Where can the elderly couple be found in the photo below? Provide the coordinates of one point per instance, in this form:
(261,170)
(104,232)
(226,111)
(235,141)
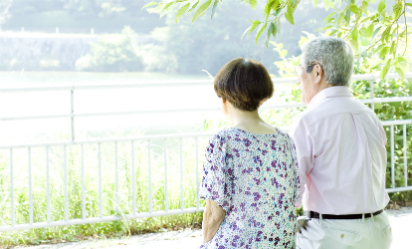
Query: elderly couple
(333,163)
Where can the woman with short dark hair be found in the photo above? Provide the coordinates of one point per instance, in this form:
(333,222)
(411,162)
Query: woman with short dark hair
(250,181)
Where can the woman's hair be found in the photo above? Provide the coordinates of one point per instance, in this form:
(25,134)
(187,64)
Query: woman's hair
(245,83)
(334,55)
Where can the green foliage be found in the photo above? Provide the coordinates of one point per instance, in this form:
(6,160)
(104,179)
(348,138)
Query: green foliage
(109,54)
(384,31)
(190,48)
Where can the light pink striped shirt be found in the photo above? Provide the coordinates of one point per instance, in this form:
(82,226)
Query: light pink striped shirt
(341,153)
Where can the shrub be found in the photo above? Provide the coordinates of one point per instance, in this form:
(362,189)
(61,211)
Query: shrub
(113,53)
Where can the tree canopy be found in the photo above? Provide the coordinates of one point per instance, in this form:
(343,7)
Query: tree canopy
(371,28)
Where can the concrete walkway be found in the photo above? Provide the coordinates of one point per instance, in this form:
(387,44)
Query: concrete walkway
(401,221)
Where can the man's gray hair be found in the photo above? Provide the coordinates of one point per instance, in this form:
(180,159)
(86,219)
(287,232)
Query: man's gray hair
(333,54)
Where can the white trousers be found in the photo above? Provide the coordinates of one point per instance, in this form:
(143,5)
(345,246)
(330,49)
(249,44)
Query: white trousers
(373,233)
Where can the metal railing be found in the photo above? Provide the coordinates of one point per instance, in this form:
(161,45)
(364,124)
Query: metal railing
(48,222)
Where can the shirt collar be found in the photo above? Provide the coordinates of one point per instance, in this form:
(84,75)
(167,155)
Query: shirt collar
(330,92)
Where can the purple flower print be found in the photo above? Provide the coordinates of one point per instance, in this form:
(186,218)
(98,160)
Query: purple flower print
(257,196)
(247,142)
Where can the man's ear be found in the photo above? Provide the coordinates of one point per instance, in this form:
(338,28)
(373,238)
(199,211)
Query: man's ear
(317,73)
(224,101)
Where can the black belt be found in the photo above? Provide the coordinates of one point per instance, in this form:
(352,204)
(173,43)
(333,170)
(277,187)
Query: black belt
(316,215)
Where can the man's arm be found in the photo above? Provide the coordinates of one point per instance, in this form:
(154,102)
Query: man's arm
(304,148)
(213,216)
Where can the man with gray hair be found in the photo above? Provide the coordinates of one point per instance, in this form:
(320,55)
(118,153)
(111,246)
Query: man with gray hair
(341,154)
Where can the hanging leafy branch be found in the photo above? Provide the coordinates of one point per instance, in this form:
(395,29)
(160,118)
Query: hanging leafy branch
(383,30)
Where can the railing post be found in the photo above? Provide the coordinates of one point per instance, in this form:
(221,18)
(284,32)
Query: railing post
(72,113)
(197,173)
(392,158)
(405,165)
(12,189)
(150,175)
(372,95)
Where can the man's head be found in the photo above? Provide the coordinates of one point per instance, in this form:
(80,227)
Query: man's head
(326,62)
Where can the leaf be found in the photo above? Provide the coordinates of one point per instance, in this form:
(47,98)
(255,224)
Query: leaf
(194,6)
(365,7)
(354,9)
(201,10)
(364,42)
(363,32)
(400,72)
(149,4)
(384,52)
(333,32)
(244,33)
(324,28)
(214,8)
(181,11)
(252,3)
(254,25)
(354,34)
(385,69)
(315,3)
(277,12)
(260,31)
(381,6)
(271,5)
(400,59)
(409,4)
(354,44)
(392,47)
(329,16)
(168,6)
(347,16)
(370,30)
(271,29)
(289,14)
(328,4)
(376,31)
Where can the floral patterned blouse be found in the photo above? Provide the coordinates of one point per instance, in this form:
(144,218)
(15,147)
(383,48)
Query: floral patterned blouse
(254,178)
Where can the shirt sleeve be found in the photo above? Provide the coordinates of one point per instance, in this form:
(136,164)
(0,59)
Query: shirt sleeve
(304,148)
(217,177)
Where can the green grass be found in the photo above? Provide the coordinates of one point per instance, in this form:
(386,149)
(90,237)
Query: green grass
(125,176)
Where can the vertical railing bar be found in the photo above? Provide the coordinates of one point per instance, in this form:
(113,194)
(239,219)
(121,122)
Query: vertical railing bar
(372,95)
(72,113)
(133,181)
(100,181)
(392,159)
(165,159)
(48,185)
(117,176)
(30,189)
(83,183)
(197,174)
(150,175)
(182,190)
(405,165)
(12,188)
(66,196)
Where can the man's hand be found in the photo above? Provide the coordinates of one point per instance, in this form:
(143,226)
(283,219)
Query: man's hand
(302,223)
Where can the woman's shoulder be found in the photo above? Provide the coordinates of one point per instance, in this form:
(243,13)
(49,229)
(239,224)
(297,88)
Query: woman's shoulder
(237,135)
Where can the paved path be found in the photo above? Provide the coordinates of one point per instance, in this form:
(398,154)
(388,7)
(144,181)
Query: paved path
(401,221)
